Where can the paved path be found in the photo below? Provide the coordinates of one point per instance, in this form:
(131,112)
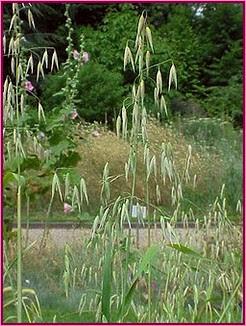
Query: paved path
(58,237)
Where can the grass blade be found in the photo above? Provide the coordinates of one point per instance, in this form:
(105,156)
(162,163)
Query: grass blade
(107,278)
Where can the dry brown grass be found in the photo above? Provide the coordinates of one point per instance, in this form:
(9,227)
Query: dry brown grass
(97,151)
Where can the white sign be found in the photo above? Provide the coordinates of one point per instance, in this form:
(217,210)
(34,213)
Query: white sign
(139,211)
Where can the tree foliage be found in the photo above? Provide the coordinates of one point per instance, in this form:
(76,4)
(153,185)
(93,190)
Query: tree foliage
(204,41)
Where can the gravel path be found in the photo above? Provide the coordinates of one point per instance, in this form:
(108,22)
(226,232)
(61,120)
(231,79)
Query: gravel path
(192,237)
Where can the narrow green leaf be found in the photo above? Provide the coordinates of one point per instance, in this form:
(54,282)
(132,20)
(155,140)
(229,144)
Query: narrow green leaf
(184,249)
(147,259)
(107,279)
(127,300)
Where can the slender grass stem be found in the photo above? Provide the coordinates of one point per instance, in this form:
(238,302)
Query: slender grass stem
(19,258)
(149,295)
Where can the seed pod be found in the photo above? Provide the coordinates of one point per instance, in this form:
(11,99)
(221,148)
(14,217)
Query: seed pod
(140,25)
(149,38)
(41,70)
(30,64)
(123,215)
(38,70)
(56,186)
(14,8)
(14,136)
(239,207)
(172,77)
(41,113)
(4,44)
(5,90)
(125,57)
(135,115)
(67,185)
(54,61)
(146,155)
(142,89)
(222,191)
(17,45)
(194,181)
(140,62)
(75,198)
(128,58)
(138,51)
(127,168)
(134,91)
(156,96)
(132,61)
(11,44)
(30,19)
(45,59)
(124,122)
(116,204)
(118,126)
(104,217)
(22,99)
(163,105)
(147,61)
(173,196)
(12,22)
(19,148)
(18,74)
(152,167)
(13,65)
(158,194)
(83,191)
(159,81)
(179,192)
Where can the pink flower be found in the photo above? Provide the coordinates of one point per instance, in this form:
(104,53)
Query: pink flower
(76,55)
(28,86)
(85,57)
(67,208)
(74,115)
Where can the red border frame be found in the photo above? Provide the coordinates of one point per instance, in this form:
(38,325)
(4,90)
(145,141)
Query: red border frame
(244,152)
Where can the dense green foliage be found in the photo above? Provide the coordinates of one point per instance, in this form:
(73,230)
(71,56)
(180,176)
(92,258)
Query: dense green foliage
(99,92)
(205,42)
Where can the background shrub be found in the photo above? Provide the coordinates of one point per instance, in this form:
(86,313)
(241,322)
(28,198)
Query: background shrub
(100,92)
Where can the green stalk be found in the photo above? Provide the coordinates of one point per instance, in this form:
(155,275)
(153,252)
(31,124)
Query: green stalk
(19,233)
(147,201)
(19,258)
(149,295)
(46,228)
(28,217)
(126,265)
(149,275)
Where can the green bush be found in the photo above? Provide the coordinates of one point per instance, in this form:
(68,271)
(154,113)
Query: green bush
(226,102)
(100,92)
(107,43)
